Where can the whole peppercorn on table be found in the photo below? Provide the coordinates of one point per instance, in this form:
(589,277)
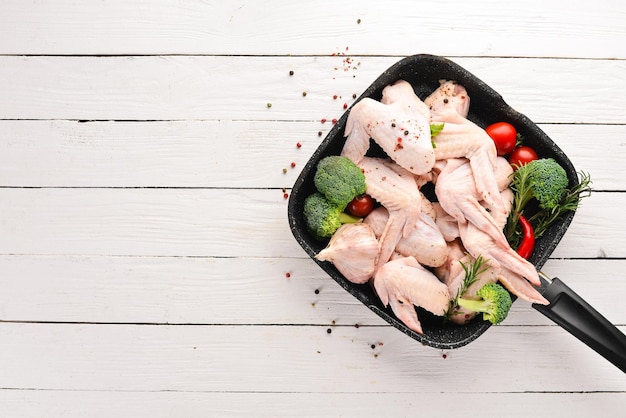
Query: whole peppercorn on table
(147,155)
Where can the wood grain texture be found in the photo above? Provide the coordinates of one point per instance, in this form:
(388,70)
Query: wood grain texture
(220,153)
(293,359)
(103,404)
(144,243)
(240,87)
(213,222)
(451,27)
(230,291)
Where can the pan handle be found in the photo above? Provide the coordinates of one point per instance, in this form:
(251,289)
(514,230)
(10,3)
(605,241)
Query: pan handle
(580,319)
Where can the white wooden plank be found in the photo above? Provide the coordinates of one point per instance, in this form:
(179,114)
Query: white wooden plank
(179,290)
(97,247)
(184,290)
(155,154)
(210,87)
(71,404)
(182,222)
(224,153)
(295,359)
(214,222)
(526,28)
(593,229)
(598,158)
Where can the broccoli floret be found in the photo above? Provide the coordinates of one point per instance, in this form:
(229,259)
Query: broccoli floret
(544,180)
(339,179)
(494,304)
(323,217)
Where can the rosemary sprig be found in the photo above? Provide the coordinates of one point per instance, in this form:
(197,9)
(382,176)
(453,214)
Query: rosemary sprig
(472,270)
(542,219)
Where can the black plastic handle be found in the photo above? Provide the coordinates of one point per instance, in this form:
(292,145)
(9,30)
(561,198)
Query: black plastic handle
(580,319)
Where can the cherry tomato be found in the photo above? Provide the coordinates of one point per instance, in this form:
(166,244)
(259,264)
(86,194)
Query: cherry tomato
(522,156)
(504,135)
(361,206)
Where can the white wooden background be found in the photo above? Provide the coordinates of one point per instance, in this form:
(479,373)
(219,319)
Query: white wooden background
(144,243)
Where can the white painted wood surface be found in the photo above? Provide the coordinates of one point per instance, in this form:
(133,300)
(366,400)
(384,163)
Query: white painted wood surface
(144,243)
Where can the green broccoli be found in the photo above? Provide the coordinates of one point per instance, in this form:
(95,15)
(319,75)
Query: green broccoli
(545,183)
(494,304)
(544,180)
(339,179)
(323,217)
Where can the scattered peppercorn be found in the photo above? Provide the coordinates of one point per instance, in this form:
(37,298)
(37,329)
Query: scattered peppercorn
(286,195)
(269,105)
(334,121)
(319,133)
(444,356)
(284,171)
(406,132)
(334,97)
(304,94)
(323,120)
(291,72)
(328,331)
(293,164)
(358,21)
(354,95)
(298,145)
(287,275)
(373,346)
(345,105)
(317,291)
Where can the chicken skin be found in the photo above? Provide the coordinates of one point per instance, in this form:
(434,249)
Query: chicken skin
(353,249)
(425,242)
(417,246)
(449,95)
(403,283)
(396,189)
(401,130)
(402,92)
(461,138)
(458,195)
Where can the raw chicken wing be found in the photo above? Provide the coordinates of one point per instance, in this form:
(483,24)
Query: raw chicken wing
(458,196)
(395,188)
(461,138)
(403,284)
(353,249)
(402,132)
(425,242)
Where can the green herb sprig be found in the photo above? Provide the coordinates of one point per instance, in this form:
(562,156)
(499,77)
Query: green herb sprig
(472,270)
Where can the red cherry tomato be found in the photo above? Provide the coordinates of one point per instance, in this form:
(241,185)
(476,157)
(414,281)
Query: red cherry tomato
(522,156)
(361,206)
(504,135)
